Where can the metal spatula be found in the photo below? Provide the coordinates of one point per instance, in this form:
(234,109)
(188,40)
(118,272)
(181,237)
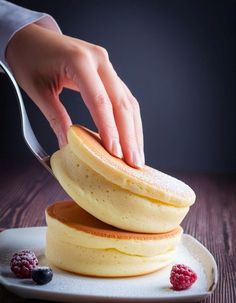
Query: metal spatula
(27,131)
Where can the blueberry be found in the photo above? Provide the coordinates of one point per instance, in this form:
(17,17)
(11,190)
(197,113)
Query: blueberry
(42,275)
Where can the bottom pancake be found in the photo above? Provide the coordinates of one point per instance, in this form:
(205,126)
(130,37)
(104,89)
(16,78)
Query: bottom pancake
(80,243)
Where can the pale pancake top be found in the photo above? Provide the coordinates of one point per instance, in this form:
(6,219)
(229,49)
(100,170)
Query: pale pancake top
(147,182)
(70,214)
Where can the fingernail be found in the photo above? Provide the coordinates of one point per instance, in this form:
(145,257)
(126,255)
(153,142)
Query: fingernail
(142,156)
(116,149)
(137,159)
(61,140)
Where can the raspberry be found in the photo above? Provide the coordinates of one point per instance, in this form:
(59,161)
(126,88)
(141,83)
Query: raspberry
(182,277)
(22,263)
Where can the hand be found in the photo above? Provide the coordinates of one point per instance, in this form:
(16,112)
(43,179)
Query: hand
(44,62)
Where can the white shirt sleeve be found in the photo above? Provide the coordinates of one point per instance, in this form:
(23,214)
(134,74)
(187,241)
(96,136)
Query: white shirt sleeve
(14,17)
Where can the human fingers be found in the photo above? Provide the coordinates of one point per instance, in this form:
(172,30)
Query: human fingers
(137,120)
(56,114)
(92,90)
(125,113)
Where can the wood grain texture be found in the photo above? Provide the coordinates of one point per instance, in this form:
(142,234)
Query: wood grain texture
(27,188)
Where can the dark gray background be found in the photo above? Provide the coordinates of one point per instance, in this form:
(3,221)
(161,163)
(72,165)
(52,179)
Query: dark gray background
(177,57)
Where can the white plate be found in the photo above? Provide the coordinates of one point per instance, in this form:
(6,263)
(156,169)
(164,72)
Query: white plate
(69,287)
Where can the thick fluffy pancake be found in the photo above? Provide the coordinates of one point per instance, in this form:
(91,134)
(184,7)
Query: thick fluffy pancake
(111,203)
(147,182)
(78,242)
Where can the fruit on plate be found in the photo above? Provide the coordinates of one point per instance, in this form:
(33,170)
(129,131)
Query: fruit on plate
(182,277)
(23,262)
(42,275)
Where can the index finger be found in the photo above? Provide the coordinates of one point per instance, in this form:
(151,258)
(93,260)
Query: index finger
(100,107)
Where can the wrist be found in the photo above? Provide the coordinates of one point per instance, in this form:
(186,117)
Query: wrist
(16,43)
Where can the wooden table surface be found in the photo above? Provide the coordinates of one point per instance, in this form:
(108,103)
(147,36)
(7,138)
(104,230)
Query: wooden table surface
(27,188)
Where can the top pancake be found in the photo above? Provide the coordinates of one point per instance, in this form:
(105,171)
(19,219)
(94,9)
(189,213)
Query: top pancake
(147,182)
(70,214)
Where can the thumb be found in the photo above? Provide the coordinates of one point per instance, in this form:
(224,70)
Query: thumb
(57,116)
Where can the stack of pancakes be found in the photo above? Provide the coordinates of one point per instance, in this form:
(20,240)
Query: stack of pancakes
(123,221)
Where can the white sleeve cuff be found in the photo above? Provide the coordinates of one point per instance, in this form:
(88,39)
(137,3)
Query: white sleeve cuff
(13,18)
